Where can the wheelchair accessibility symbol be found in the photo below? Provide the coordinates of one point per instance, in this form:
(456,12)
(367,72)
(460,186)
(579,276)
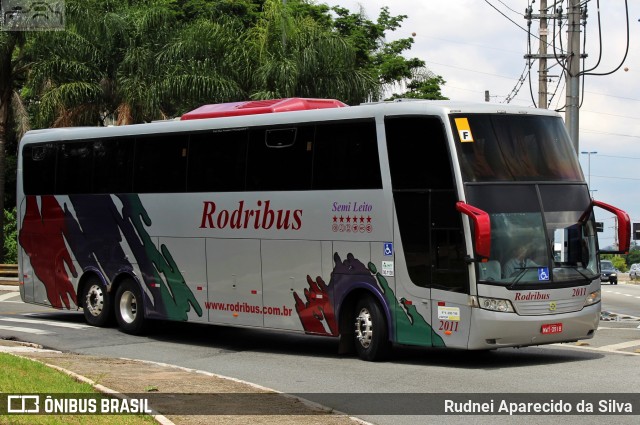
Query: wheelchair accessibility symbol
(543,273)
(388,249)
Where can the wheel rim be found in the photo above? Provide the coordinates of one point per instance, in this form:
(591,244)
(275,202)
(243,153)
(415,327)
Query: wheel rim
(128,306)
(364,328)
(94,301)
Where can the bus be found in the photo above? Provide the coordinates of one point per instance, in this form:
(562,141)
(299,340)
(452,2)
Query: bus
(426,223)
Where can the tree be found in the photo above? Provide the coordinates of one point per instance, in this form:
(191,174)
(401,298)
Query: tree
(633,256)
(12,67)
(385,59)
(294,55)
(72,81)
(133,62)
(427,88)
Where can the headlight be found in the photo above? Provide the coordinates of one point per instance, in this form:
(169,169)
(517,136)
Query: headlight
(592,298)
(495,304)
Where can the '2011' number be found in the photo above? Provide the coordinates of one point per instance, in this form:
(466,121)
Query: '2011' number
(448,326)
(579,292)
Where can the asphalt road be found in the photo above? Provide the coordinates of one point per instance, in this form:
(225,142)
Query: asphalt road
(606,365)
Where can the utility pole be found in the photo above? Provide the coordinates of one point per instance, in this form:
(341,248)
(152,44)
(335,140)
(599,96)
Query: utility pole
(542,54)
(572,57)
(542,68)
(572,121)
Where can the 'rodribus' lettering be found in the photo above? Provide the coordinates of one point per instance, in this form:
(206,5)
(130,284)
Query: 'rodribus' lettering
(262,217)
(531,296)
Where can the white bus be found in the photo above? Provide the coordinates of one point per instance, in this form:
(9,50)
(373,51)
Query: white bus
(428,223)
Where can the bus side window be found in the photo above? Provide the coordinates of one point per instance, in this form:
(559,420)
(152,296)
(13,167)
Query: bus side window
(161,163)
(39,163)
(113,165)
(73,173)
(217,161)
(346,156)
(280,158)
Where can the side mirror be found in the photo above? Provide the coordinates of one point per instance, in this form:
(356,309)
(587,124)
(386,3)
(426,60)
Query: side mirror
(481,229)
(624,227)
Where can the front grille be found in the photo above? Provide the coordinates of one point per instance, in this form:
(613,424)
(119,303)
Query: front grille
(539,308)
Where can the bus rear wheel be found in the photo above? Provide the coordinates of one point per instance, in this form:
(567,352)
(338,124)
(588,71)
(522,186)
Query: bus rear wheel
(129,309)
(371,336)
(96,303)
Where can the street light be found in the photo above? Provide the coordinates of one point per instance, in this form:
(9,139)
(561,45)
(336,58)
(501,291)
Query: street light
(589,166)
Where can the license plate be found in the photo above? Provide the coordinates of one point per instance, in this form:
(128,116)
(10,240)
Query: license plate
(551,328)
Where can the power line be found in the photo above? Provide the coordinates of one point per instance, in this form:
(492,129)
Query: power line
(620,157)
(612,115)
(616,178)
(469,70)
(587,130)
(508,18)
(509,7)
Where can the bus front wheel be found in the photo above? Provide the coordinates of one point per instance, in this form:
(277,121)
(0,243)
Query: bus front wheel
(129,308)
(96,303)
(371,336)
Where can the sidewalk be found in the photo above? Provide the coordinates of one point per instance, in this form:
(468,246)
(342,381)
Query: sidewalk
(165,383)
(127,376)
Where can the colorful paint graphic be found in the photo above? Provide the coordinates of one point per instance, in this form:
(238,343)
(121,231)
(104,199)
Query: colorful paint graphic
(346,276)
(93,227)
(317,308)
(410,325)
(41,237)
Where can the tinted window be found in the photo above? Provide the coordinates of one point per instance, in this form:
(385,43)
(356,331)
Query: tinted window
(39,173)
(217,161)
(424,198)
(280,158)
(514,148)
(73,173)
(416,143)
(161,163)
(346,156)
(113,165)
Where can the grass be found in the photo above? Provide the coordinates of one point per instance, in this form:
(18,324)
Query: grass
(24,376)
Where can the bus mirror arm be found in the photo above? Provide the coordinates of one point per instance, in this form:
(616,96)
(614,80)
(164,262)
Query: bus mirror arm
(481,230)
(624,227)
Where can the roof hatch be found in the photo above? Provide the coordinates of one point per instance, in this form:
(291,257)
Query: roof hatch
(253,107)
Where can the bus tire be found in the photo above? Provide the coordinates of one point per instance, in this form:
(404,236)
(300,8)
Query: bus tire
(371,336)
(96,303)
(129,308)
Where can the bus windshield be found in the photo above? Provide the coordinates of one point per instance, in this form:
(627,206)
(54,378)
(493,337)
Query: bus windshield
(514,148)
(538,237)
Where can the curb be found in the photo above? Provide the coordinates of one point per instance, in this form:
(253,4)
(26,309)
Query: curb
(308,403)
(22,347)
(19,349)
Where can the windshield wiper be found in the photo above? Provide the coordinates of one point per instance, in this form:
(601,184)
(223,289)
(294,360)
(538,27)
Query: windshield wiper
(522,271)
(585,276)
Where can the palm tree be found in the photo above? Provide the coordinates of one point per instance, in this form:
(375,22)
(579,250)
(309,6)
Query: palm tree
(12,68)
(204,63)
(293,55)
(72,80)
(132,63)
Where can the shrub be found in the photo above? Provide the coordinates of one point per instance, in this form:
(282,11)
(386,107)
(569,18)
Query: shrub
(10,237)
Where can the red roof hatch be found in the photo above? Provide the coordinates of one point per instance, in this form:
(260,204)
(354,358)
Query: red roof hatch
(253,107)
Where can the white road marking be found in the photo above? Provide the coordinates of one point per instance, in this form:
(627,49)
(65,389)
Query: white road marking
(46,322)
(620,346)
(25,330)
(8,296)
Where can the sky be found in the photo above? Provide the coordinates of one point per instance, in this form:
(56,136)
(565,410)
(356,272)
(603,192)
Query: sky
(475,48)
